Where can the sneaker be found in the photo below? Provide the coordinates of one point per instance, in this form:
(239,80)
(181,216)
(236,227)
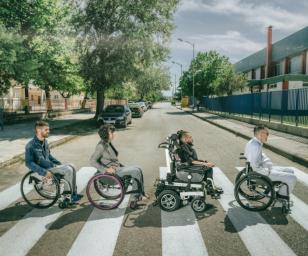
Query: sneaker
(76,197)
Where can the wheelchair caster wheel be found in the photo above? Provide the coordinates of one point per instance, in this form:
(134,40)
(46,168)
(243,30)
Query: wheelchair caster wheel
(198,205)
(133,205)
(63,205)
(285,210)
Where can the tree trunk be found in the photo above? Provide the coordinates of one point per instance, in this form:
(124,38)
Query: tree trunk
(26,107)
(84,101)
(48,101)
(100,99)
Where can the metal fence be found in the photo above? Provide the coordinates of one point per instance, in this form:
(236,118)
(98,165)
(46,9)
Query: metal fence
(287,106)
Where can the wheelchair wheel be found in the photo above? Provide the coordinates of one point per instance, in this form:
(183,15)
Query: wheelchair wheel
(105,191)
(198,205)
(254,192)
(44,194)
(169,200)
(104,186)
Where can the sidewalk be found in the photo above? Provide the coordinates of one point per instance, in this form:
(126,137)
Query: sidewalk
(290,146)
(14,137)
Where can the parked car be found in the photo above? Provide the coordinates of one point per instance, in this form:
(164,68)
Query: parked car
(149,104)
(143,105)
(119,115)
(137,111)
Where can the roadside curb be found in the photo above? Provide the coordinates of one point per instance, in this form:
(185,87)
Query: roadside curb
(282,152)
(21,157)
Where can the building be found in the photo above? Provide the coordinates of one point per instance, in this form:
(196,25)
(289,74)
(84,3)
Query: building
(279,66)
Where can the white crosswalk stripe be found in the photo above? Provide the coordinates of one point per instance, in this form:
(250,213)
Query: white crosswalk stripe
(100,233)
(175,227)
(12,194)
(300,175)
(31,227)
(299,209)
(180,231)
(258,236)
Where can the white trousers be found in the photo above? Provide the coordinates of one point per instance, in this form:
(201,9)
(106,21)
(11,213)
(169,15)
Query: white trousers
(283,174)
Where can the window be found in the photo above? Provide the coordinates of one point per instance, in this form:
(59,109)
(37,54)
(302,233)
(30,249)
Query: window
(305,84)
(271,86)
(296,65)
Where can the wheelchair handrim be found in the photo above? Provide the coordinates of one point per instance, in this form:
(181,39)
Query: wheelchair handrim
(98,203)
(39,205)
(260,194)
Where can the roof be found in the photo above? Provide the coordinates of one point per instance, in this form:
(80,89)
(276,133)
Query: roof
(286,47)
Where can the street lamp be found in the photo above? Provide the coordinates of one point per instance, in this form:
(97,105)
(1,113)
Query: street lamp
(181,66)
(193,46)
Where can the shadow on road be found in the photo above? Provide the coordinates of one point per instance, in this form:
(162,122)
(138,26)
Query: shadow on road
(244,218)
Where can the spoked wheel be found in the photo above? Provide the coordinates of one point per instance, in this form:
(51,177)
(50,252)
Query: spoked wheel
(254,192)
(105,187)
(105,191)
(44,194)
(169,200)
(198,205)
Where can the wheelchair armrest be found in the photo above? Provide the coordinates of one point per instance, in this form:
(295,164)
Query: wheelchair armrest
(192,168)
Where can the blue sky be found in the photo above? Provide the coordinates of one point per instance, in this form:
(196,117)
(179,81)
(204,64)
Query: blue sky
(234,28)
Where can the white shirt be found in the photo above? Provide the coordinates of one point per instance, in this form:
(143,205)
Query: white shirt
(258,160)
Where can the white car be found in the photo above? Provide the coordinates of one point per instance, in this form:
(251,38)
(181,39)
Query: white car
(143,105)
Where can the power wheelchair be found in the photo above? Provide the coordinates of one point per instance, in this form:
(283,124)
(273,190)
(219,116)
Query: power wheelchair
(44,194)
(172,191)
(256,192)
(106,191)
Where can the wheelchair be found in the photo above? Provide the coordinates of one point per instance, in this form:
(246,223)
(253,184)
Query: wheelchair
(42,195)
(106,191)
(174,191)
(256,192)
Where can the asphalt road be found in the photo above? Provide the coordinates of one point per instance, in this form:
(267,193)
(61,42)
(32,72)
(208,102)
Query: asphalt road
(224,229)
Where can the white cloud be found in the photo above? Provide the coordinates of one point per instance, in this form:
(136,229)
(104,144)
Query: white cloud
(260,14)
(231,44)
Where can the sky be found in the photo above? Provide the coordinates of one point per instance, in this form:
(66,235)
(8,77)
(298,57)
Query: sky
(234,28)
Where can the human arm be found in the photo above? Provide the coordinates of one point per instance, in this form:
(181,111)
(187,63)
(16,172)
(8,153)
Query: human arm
(31,163)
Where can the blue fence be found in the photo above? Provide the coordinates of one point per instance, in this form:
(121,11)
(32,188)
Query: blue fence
(287,105)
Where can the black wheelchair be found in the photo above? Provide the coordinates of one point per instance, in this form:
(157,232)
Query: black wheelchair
(173,190)
(106,191)
(44,194)
(256,192)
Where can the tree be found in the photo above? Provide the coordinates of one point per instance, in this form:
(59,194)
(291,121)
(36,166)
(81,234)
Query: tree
(214,74)
(119,36)
(41,24)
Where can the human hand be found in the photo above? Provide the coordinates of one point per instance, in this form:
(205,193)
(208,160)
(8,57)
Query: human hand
(110,170)
(47,176)
(209,164)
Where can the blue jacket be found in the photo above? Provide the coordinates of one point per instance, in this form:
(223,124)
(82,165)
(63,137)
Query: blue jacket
(38,157)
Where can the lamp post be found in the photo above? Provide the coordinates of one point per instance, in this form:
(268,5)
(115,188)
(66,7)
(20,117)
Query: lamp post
(181,66)
(193,46)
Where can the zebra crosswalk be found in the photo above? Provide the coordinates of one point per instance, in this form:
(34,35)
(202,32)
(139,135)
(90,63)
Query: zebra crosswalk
(181,233)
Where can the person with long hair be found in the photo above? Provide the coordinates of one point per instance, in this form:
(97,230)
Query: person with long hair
(105,159)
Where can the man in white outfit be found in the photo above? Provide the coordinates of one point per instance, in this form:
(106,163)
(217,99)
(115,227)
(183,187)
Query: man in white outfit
(262,164)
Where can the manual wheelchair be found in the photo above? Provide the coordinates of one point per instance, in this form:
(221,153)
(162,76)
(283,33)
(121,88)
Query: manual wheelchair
(256,192)
(106,191)
(44,194)
(172,190)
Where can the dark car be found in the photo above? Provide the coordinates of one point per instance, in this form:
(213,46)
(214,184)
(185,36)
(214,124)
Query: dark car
(136,111)
(119,115)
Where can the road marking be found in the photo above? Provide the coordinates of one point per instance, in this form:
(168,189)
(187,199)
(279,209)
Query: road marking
(300,175)
(299,210)
(100,232)
(168,160)
(25,234)
(258,236)
(181,235)
(12,194)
